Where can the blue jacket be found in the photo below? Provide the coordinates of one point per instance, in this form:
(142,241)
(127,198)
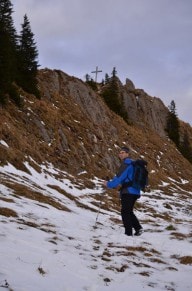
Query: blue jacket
(124,175)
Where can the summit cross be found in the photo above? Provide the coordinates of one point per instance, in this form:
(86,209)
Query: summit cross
(96,72)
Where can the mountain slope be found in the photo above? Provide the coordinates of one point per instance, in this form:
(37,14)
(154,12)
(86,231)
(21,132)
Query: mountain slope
(59,229)
(72,128)
(54,236)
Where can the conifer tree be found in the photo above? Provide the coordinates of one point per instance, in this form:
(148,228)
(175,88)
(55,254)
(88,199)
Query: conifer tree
(111,96)
(185,147)
(87,78)
(173,124)
(8,49)
(107,79)
(27,59)
(91,82)
(114,72)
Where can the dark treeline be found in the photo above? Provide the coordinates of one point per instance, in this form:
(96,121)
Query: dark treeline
(18,56)
(173,131)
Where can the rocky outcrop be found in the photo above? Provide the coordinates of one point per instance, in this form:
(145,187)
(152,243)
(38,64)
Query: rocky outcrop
(143,109)
(146,111)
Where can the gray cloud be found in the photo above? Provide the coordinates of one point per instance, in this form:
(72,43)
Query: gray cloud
(148,41)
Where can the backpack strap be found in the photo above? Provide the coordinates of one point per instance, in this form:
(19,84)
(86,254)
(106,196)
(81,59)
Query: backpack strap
(128,183)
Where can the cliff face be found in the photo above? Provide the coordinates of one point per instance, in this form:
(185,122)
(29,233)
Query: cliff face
(72,128)
(145,110)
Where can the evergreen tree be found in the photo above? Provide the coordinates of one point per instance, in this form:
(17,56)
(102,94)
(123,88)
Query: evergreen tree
(87,78)
(114,73)
(111,96)
(173,132)
(91,82)
(173,124)
(27,59)
(8,49)
(185,148)
(107,79)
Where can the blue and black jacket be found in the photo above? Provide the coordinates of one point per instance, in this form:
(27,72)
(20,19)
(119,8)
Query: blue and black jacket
(123,177)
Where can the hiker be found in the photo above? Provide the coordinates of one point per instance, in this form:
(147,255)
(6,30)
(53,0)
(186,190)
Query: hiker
(128,194)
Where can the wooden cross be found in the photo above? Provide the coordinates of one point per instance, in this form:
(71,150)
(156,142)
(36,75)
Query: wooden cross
(96,72)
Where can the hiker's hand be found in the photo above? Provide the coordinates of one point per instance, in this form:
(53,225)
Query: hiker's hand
(105,183)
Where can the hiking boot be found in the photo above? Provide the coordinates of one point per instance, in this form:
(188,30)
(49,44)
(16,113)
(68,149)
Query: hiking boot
(139,232)
(128,234)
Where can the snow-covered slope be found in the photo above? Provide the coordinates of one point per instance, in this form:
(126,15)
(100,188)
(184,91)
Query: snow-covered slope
(57,234)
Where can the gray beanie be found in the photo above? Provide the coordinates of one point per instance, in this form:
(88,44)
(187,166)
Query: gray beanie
(125,149)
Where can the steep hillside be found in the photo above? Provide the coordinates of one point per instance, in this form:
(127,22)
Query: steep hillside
(60,230)
(72,128)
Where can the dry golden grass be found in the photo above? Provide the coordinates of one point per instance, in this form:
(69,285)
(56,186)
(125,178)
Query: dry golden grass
(24,191)
(157,260)
(28,223)
(120,269)
(186,260)
(61,191)
(48,228)
(137,249)
(4,211)
(145,274)
(178,236)
(7,199)
(76,200)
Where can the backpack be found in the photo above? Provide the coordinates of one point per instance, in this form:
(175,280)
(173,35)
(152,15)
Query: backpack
(140,175)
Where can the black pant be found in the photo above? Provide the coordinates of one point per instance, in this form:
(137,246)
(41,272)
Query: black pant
(129,219)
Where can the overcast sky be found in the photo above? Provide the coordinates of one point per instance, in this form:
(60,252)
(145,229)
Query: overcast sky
(148,41)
